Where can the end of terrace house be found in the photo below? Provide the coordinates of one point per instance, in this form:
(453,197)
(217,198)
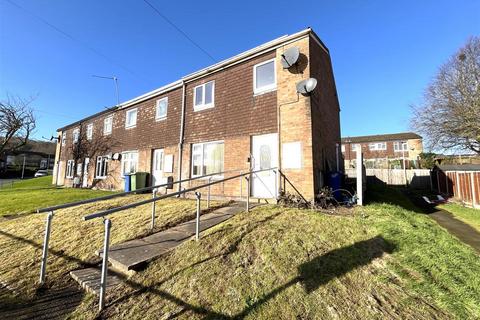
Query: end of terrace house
(239,114)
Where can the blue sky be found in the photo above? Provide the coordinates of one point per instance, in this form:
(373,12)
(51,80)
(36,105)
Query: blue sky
(384,52)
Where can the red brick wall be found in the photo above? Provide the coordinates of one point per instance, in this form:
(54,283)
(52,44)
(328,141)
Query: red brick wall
(325,114)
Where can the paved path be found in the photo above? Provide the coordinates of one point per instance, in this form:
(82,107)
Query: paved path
(135,254)
(460,229)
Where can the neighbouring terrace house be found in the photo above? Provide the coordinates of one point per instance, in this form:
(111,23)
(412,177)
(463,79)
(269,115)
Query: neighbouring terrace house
(384,150)
(243,112)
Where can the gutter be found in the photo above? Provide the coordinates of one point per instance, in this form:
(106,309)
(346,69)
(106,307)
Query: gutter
(182,137)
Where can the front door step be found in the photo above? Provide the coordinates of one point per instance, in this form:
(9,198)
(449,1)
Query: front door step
(90,279)
(134,254)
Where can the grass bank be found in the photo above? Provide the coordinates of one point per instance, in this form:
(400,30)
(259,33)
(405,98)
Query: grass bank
(385,260)
(468,215)
(28,195)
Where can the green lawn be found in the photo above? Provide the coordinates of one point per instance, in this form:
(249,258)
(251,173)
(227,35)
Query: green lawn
(381,261)
(28,195)
(467,215)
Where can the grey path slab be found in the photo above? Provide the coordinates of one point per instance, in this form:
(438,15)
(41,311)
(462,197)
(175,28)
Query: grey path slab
(135,253)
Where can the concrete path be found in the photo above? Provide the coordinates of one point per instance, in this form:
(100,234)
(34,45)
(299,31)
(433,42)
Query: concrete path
(460,229)
(135,254)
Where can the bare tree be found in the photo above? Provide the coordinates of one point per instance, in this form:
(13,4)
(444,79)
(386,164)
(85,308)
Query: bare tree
(450,114)
(17,122)
(97,145)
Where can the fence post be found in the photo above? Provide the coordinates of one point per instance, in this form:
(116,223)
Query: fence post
(241,186)
(103,283)
(208,194)
(154,194)
(43,267)
(248,194)
(197,222)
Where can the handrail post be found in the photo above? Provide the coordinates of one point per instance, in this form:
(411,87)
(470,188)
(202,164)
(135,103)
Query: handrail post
(103,283)
(241,186)
(197,222)
(208,194)
(276,184)
(248,194)
(154,194)
(43,267)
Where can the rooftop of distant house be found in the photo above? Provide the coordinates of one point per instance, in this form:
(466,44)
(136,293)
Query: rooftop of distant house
(381,137)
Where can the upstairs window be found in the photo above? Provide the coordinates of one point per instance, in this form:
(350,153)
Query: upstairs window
(129,162)
(207,158)
(377,146)
(90,131)
(264,77)
(64,138)
(399,146)
(70,166)
(131,118)
(356,147)
(343,148)
(76,135)
(101,168)
(162,106)
(204,96)
(107,125)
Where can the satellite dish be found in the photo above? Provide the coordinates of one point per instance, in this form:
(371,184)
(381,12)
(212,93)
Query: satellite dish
(290,57)
(306,86)
(116,156)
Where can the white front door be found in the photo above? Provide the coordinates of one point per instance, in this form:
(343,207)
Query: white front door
(157,167)
(85,173)
(264,156)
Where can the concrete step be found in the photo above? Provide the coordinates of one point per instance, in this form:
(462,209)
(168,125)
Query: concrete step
(134,254)
(90,279)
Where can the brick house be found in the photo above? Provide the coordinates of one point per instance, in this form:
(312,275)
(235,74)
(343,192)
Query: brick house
(383,150)
(241,112)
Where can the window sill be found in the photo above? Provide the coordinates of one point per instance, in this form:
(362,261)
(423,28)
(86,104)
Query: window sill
(263,91)
(161,119)
(107,133)
(203,107)
(100,178)
(130,127)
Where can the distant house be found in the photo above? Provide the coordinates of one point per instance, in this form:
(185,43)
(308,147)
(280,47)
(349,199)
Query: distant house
(383,150)
(34,155)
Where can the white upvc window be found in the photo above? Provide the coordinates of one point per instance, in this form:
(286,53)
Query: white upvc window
(101,168)
(64,138)
(76,135)
(70,167)
(377,146)
(107,125)
(204,96)
(207,158)
(356,147)
(161,110)
(399,146)
(131,118)
(129,162)
(343,148)
(264,77)
(90,131)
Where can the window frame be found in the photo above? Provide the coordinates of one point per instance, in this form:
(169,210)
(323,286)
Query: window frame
(157,117)
(130,126)
(398,146)
(374,146)
(106,133)
(103,160)
(69,172)
(90,131)
(64,139)
(268,88)
(203,106)
(202,158)
(122,172)
(75,135)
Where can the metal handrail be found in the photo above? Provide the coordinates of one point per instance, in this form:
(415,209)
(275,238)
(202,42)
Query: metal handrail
(153,199)
(121,194)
